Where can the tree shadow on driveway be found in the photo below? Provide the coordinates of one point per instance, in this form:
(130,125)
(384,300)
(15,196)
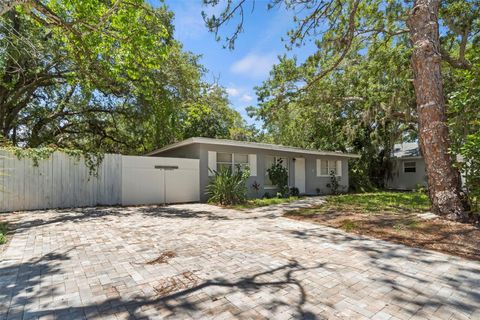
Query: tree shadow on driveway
(22,284)
(23,221)
(415,278)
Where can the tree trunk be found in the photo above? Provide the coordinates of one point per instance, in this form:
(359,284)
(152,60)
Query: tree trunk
(7,5)
(443,182)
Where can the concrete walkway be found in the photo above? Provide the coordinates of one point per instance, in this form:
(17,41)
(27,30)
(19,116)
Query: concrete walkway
(103,263)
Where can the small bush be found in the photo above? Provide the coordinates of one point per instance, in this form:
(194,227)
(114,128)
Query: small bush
(294,192)
(278,174)
(421,189)
(333,185)
(256,187)
(228,186)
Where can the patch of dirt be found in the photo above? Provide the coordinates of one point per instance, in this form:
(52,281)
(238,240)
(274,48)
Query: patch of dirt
(176,283)
(163,257)
(450,237)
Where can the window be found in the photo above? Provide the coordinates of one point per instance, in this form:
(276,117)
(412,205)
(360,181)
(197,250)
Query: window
(231,160)
(410,166)
(269,162)
(327,166)
(224,160)
(241,160)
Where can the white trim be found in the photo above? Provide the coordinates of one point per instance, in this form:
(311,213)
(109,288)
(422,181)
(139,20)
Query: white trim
(339,168)
(212,163)
(245,144)
(252,164)
(319,168)
(408,158)
(233,163)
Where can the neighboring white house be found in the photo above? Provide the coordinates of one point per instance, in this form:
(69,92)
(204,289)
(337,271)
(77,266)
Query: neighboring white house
(408,167)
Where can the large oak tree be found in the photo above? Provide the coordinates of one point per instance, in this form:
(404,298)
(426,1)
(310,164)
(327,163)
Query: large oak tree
(102,76)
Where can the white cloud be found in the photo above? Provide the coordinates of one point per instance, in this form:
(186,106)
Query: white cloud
(246,98)
(232,92)
(254,65)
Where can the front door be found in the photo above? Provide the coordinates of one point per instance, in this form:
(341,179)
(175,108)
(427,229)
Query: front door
(300,174)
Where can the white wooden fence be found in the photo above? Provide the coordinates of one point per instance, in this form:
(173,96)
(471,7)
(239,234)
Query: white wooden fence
(62,181)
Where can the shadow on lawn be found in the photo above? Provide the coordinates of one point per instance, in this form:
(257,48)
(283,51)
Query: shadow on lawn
(24,284)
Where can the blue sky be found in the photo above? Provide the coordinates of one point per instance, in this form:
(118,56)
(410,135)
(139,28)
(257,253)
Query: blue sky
(256,50)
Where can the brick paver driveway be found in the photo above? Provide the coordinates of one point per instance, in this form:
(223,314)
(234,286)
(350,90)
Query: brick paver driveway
(102,263)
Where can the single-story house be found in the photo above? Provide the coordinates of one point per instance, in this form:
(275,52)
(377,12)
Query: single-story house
(308,170)
(408,167)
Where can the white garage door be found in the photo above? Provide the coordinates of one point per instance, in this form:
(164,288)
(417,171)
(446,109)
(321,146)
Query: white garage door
(154,180)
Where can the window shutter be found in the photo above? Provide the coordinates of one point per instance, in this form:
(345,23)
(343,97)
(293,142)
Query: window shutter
(212,162)
(319,167)
(252,164)
(339,168)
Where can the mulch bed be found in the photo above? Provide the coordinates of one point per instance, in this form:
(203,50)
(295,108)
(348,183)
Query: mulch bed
(449,237)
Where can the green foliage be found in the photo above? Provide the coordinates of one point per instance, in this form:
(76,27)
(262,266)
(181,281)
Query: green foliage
(380,202)
(104,76)
(372,203)
(278,174)
(471,168)
(333,185)
(294,192)
(228,187)
(463,93)
(3,232)
(256,187)
(355,92)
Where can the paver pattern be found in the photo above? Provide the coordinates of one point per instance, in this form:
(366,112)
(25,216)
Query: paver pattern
(100,263)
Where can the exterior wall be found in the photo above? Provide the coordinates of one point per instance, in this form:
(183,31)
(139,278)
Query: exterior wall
(312,182)
(401,180)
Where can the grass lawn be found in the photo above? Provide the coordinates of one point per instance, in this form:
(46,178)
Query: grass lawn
(394,216)
(254,203)
(3,232)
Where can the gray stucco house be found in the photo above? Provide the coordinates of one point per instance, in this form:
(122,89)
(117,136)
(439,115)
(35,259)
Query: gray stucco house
(308,169)
(408,167)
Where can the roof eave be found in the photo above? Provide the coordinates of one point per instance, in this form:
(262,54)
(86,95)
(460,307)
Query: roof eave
(265,147)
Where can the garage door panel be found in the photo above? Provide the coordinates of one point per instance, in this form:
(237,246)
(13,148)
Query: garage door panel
(142,184)
(182,186)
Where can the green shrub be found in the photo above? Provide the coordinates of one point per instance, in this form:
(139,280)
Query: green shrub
(294,192)
(278,174)
(333,185)
(228,186)
(471,169)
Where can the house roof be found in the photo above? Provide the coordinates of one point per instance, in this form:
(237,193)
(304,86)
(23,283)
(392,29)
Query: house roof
(407,150)
(245,144)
